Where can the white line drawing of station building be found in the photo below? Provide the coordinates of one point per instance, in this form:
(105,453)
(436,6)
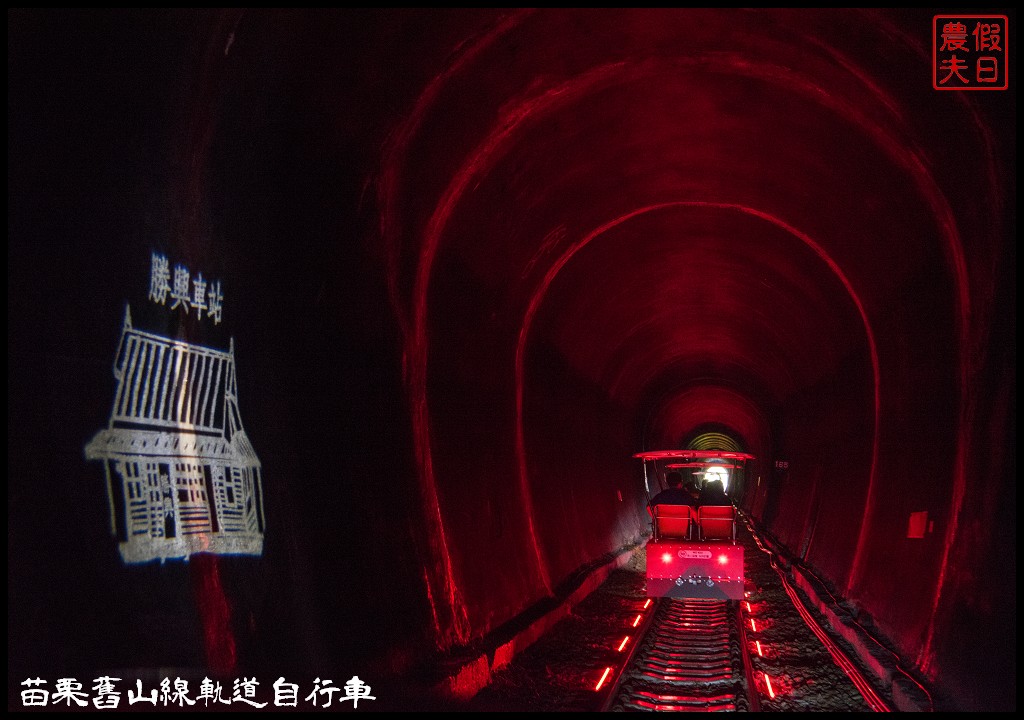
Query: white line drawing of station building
(181,474)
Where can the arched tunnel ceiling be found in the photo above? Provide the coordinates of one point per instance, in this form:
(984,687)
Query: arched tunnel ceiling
(699,288)
(487,255)
(675,191)
(688,409)
(711,440)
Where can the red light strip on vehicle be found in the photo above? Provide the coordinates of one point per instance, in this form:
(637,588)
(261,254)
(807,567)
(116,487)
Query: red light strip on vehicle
(603,678)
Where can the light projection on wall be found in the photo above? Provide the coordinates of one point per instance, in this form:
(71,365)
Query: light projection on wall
(200,298)
(181,475)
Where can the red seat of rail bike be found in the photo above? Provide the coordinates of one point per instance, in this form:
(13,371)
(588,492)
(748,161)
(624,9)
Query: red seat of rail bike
(717,522)
(673,521)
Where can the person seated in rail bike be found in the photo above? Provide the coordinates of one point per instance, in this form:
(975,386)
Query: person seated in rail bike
(674,494)
(691,487)
(713,493)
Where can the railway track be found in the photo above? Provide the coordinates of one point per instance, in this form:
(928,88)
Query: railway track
(691,655)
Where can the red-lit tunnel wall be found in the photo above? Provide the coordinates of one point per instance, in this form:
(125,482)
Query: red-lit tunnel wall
(664,219)
(479,258)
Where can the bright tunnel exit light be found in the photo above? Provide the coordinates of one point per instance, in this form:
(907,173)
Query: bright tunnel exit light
(717,473)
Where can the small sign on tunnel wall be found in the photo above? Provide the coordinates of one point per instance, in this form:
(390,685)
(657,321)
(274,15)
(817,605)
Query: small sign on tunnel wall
(918,525)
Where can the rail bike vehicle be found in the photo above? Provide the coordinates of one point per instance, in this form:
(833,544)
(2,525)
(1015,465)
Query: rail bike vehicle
(693,551)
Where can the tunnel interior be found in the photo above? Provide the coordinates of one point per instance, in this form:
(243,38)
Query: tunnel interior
(473,261)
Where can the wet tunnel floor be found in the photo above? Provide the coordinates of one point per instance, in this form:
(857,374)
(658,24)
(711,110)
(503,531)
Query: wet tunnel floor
(559,671)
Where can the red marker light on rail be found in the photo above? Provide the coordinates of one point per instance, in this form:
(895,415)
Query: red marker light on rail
(637,621)
(647,604)
(605,677)
(752,625)
(767,684)
(748,606)
(758,643)
(623,643)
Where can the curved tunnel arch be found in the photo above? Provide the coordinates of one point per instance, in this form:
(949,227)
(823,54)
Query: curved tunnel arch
(538,297)
(709,410)
(718,439)
(422,348)
(538,104)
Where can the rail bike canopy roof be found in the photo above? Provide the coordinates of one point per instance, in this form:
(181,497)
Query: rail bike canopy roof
(726,466)
(692,455)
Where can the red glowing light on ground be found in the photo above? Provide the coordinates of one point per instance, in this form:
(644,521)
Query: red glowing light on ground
(752,625)
(637,621)
(758,643)
(647,604)
(767,684)
(748,606)
(623,643)
(214,613)
(605,677)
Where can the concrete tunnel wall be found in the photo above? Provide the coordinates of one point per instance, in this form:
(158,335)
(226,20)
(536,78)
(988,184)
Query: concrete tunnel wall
(473,261)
